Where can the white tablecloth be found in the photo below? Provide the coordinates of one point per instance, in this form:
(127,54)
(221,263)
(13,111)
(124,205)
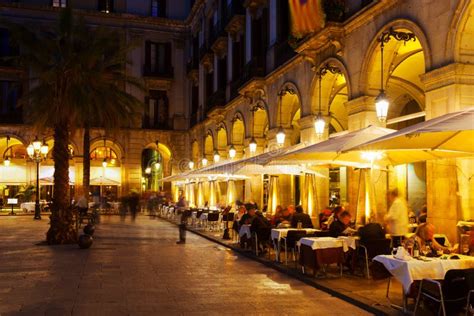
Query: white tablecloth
(408,271)
(279,233)
(245,230)
(330,242)
(30,206)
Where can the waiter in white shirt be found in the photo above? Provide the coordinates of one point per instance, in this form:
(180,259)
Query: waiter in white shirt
(397,217)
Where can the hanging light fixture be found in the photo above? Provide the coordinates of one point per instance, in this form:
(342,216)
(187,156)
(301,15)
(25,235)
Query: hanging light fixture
(204,161)
(319,123)
(381,101)
(280,136)
(217,157)
(157,165)
(232,152)
(191,164)
(253,145)
(104,163)
(6,161)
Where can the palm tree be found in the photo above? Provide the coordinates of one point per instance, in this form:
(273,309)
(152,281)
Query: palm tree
(72,77)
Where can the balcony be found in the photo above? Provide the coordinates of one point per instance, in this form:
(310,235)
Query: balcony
(156,72)
(217,99)
(218,38)
(13,117)
(234,18)
(206,56)
(155,125)
(252,76)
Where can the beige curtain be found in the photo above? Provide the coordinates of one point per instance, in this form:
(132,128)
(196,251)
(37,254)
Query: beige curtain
(230,196)
(309,197)
(366,204)
(200,195)
(212,193)
(273,194)
(191,200)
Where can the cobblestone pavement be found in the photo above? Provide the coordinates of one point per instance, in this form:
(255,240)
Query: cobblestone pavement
(137,269)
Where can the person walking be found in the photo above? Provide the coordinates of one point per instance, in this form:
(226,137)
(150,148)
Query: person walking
(397,217)
(133,202)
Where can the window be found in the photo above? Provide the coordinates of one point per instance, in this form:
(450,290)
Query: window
(59,3)
(6,47)
(9,94)
(158,59)
(158,8)
(156,110)
(106,6)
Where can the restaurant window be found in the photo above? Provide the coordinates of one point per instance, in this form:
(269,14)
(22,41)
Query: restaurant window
(106,6)
(156,110)
(158,58)
(158,8)
(59,3)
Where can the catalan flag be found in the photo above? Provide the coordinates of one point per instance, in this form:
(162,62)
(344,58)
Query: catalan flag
(307,16)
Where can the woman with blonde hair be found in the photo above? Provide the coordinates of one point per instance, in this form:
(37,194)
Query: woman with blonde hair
(424,236)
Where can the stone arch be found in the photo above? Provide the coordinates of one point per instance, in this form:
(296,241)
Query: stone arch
(209,145)
(460,37)
(289,104)
(336,91)
(238,129)
(15,142)
(195,156)
(403,65)
(260,119)
(221,138)
(99,142)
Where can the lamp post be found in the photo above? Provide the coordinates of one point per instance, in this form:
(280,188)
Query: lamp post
(37,153)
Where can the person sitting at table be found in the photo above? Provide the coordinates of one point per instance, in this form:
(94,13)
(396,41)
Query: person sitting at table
(341,227)
(284,219)
(371,231)
(262,228)
(238,217)
(291,210)
(299,216)
(248,217)
(324,217)
(423,215)
(424,237)
(335,215)
(278,214)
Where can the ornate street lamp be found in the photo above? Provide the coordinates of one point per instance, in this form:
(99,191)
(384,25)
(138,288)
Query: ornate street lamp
(204,161)
(381,101)
(37,153)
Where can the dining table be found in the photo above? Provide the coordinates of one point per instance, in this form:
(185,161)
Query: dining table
(409,269)
(317,252)
(277,234)
(245,231)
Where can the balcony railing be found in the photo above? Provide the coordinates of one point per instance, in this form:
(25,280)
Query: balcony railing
(14,117)
(155,125)
(203,50)
(217,31)
(216,99)
(167,72)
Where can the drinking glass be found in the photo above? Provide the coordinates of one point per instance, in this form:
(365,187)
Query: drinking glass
(465,249)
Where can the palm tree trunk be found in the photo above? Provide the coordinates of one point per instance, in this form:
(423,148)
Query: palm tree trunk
(62,229)
(86,161)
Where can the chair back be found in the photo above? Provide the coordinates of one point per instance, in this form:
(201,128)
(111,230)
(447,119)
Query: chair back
(457,283)
(294,236)
(377,247)
(230,217)
(213,217)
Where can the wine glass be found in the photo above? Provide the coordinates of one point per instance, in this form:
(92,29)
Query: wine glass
(425,250)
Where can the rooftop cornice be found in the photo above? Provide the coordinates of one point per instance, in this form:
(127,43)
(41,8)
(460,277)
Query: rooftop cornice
(128,19)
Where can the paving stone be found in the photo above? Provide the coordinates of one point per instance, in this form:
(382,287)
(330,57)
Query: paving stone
(137,269)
